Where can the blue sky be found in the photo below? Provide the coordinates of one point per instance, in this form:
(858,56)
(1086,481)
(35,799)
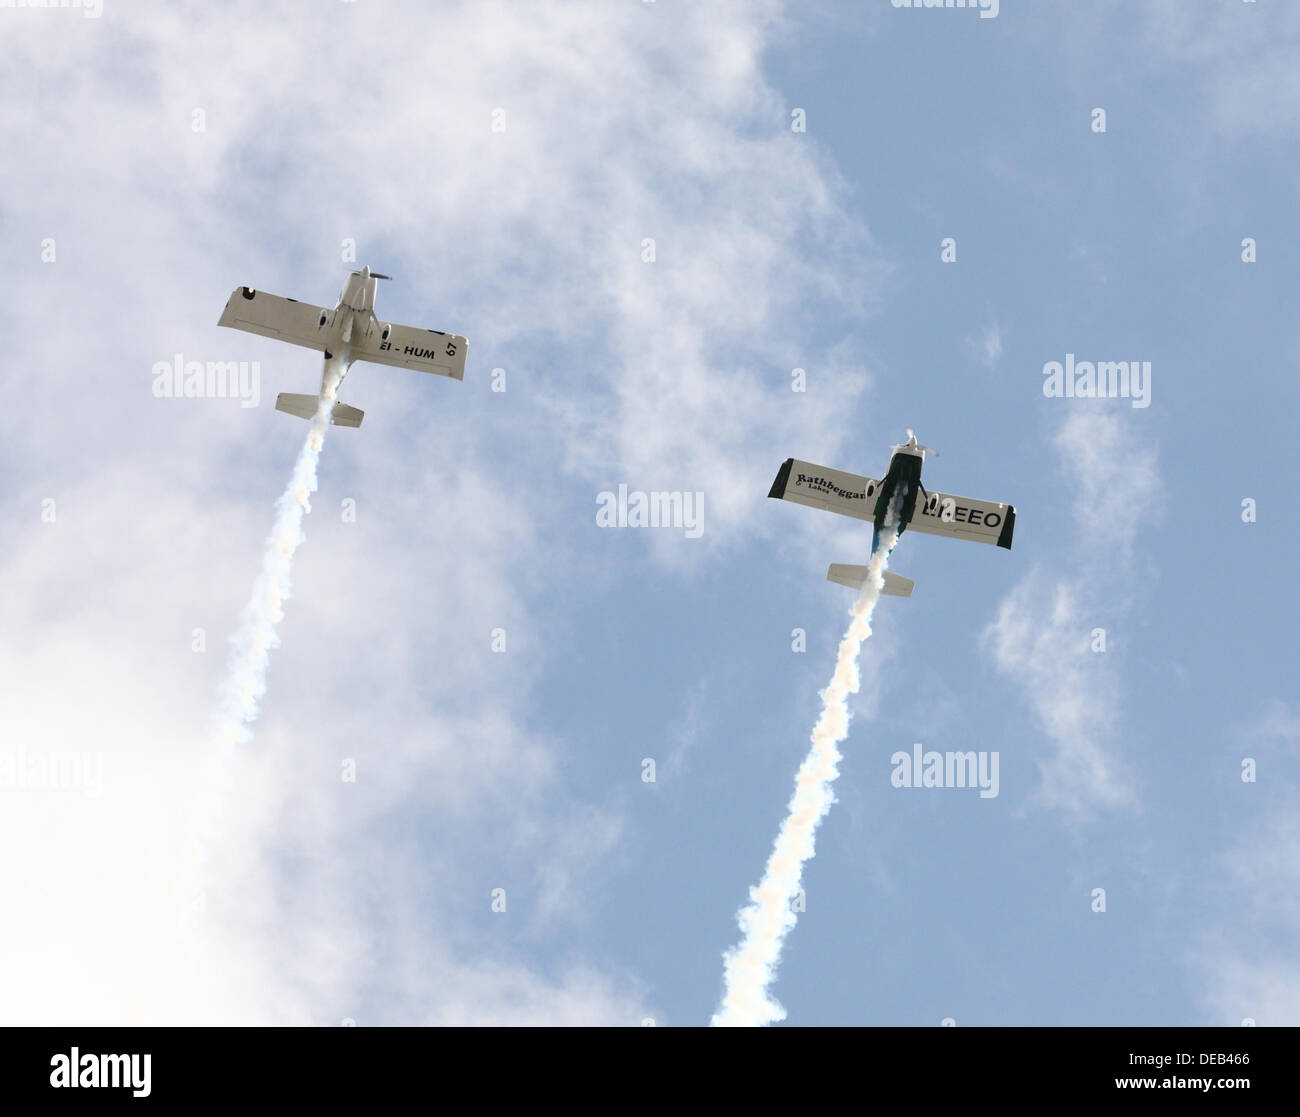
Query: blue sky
(475,509)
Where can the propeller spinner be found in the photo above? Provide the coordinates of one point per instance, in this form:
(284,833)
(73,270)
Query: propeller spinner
(911,444)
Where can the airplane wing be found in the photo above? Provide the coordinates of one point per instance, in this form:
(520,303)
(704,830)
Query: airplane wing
(960,517)
(277,317)
(831,489)
(424,350)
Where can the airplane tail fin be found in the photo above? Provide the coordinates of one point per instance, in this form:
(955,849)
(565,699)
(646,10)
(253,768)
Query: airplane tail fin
(305,408)
(855,577)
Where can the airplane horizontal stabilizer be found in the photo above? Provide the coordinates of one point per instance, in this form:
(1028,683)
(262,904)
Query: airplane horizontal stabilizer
(305,408)
(855,577)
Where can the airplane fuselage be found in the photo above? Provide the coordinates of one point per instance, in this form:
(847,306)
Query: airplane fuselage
(351,320)
(849,494)
(345,333)
(903,476)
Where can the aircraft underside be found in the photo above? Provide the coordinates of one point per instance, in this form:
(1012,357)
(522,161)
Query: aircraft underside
(863,498)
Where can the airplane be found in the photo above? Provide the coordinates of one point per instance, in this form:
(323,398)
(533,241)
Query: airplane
(863,498)
(350,332)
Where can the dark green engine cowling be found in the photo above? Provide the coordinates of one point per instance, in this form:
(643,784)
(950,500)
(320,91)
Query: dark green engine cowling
(904,476)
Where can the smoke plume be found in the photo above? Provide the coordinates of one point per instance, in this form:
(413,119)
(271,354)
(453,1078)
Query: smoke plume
(750,967)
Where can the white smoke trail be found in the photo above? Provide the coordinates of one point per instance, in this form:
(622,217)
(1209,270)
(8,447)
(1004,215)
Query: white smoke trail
(256,635)
(750,967)
(215,833)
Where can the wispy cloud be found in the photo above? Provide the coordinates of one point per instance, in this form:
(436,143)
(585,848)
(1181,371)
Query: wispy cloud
(1042,637)
(644,122)
(1244,957)
(1246,59)
(988,344)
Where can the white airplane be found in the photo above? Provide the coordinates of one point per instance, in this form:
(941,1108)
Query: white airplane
(350,332)
(957,517)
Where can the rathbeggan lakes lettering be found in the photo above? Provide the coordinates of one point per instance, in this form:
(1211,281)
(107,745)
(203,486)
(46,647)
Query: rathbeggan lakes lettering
(946,769)
(654,509)
(825,485)
(112,1071)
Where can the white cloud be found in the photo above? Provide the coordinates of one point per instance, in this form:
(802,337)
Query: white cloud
(621,123)
(988,345)
(1239,988)
(1040,639)
(1042,635)
(1246,54)
(1111,473)
(1244,957)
